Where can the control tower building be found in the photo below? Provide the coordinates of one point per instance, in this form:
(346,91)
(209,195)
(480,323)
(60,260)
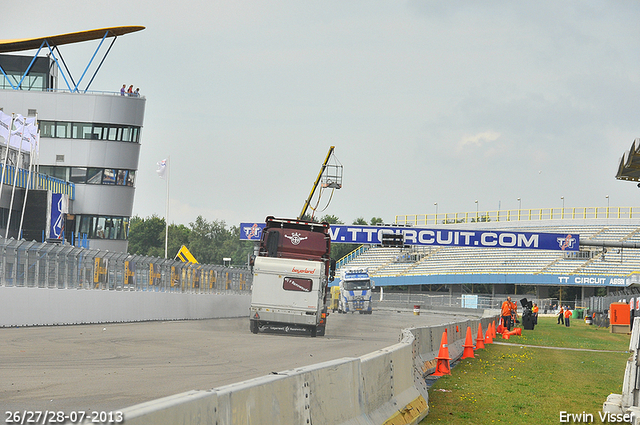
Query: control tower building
(89,140)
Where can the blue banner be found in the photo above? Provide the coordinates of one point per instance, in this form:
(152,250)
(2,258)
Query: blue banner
(439,237)
(517,279)
(56,218)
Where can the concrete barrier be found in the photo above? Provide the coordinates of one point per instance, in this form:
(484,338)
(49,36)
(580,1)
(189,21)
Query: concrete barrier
(626,406)
(21,306)
(384,387)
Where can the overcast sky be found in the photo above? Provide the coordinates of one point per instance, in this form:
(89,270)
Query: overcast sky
(425,101)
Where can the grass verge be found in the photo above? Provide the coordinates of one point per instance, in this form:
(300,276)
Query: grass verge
(514,384)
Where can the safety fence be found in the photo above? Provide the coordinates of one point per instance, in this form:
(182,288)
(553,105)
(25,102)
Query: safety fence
(49,265)
(629,295)
(450,300)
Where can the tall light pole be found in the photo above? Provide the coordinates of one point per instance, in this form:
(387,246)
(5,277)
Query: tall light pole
(476,210)
(436,204)
(607,205)
(562,215)
(519,203)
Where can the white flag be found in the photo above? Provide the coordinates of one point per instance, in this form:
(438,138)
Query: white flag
(15,141)
(34,137)
(162,168)
(5,126)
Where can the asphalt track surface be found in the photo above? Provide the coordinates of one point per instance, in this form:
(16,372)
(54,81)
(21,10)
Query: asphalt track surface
(112,366)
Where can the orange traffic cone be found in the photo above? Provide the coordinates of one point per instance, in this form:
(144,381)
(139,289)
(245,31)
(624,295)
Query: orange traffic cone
(488,339)
(506,335)
(442,366)
(500,328)
(480,338)
(468,345)
(515,331)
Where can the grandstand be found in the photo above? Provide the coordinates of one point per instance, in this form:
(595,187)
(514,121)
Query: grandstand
(590,267)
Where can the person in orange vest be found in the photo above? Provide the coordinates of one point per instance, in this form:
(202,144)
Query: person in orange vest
(560,315)
(505,312)
(534,310)
(567,315)
(514,313)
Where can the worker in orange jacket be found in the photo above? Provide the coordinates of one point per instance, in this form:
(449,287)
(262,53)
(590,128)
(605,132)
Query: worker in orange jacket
(505,313)
(560,315)
(567,315)
(534,310)
(514,313)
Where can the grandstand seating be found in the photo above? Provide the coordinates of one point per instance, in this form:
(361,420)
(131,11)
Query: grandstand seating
(436,260)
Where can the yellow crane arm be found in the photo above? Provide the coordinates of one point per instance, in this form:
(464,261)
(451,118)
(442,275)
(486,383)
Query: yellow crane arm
(315,185)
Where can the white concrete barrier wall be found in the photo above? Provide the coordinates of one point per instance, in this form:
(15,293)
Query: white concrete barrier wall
(628,403)
(386,386)
(20,306)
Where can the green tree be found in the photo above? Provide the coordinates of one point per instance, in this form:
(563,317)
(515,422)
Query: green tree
(210,242)
(376,220)
(331,219)
(360,221)
(146,236)
(178,236)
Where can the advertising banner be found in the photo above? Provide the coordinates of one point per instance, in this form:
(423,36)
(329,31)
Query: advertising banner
(439,237)
(56,217)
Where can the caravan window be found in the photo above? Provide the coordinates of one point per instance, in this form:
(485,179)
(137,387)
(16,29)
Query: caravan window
(297,284)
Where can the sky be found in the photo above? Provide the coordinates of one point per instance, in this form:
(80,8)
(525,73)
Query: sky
(425,102)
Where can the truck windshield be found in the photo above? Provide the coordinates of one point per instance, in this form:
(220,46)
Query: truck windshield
(356,285)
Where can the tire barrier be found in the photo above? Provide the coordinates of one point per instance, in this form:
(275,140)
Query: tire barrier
(387,386)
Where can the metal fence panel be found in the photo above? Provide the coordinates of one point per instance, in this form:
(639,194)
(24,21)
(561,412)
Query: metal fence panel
(54,266)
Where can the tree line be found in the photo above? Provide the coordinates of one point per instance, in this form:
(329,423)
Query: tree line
(211,241)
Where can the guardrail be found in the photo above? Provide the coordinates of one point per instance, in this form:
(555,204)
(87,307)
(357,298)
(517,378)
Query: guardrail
(386,386)
(534,214)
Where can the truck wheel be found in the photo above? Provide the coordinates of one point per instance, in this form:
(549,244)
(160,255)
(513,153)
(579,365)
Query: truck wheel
(253,326)
(320,331)
(314,331)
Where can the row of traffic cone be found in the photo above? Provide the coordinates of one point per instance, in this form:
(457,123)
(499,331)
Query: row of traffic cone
(442,365)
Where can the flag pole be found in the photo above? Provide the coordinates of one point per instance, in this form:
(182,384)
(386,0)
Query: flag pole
(166,217)
(16,170)
(33,143)
(6,156)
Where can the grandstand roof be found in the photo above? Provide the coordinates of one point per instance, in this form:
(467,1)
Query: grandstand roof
(629,168)
(69,38)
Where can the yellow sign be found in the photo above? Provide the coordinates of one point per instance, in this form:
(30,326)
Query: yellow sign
(154,274)
(185,256)
(99,271)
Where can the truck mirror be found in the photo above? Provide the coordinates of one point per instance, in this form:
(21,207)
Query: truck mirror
(332,270)
(373,285)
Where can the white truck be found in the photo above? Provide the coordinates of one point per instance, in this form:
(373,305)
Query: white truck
(355,291)
(290,278)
